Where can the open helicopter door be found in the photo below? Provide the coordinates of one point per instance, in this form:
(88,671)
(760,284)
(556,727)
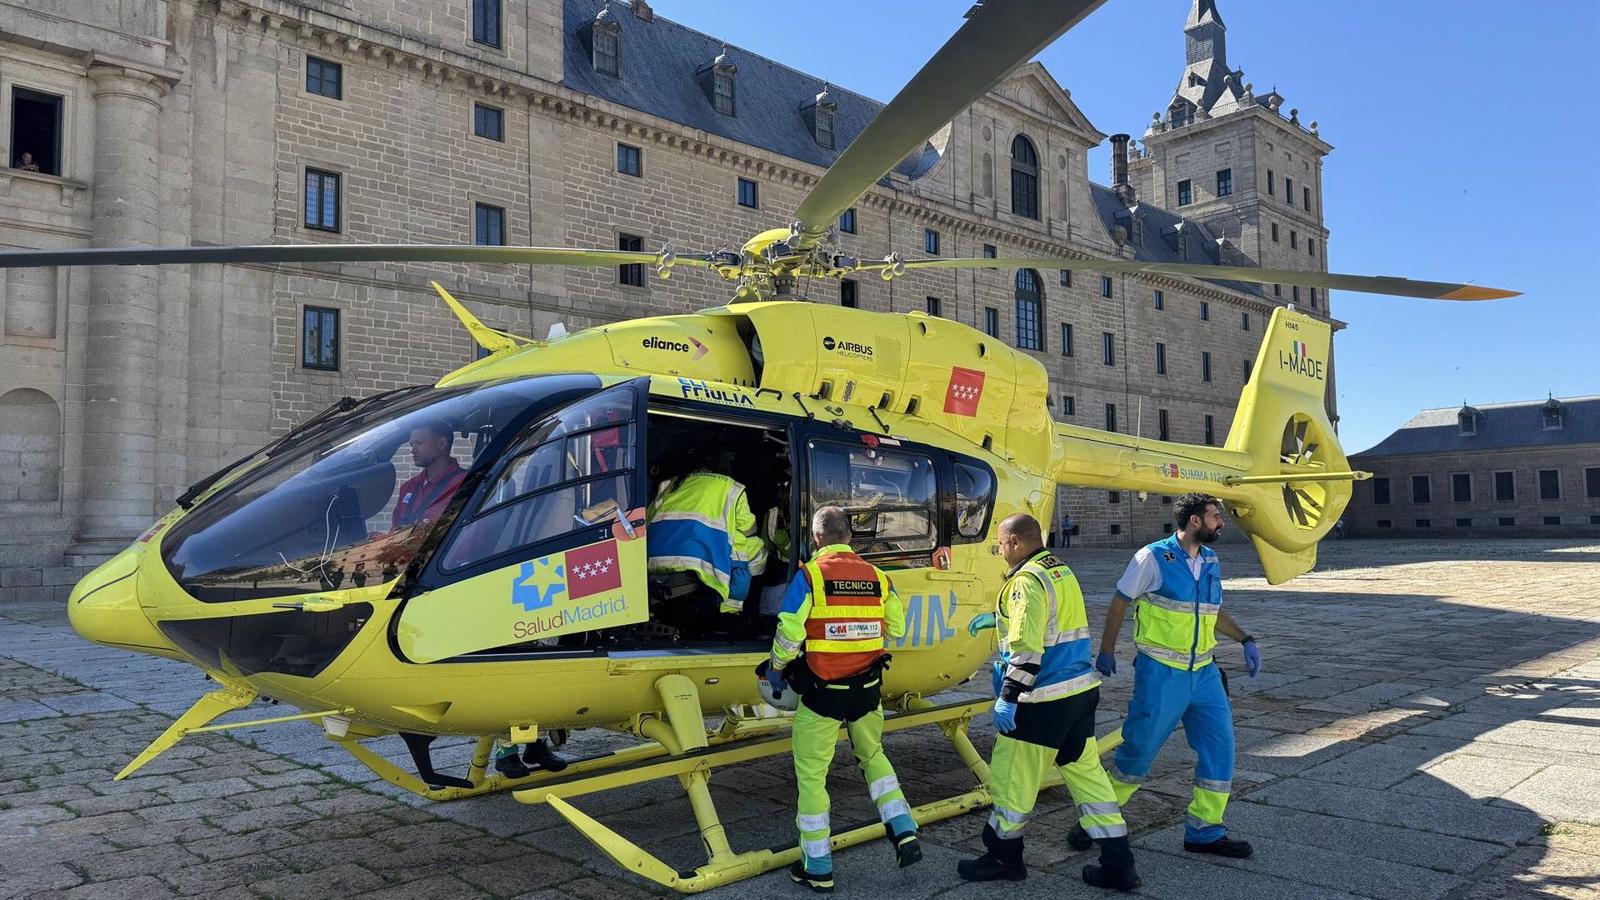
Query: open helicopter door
(550,543)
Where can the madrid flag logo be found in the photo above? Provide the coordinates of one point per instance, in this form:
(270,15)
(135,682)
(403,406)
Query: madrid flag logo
(966,389)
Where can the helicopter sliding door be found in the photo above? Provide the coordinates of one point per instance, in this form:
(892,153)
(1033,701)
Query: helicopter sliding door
(550,543)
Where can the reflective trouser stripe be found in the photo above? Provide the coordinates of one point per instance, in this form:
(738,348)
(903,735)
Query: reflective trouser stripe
(1220,787)
(1124,784)
(1207,807)
(814,740)
(1178,658)
(1099,811)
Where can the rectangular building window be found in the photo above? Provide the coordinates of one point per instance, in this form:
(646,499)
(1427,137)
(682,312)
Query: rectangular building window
(1274,232)
(1069,405)
(322,200)
(1505,486)
(490,122)
(1163,431)
(989,251)
(1108,348)
(749,193)
(1313,298)
(1030,323)
(1105,285)
(1244,367)
(1288,190)
(1464,523)
(847,221)
(930,241)
(36,121)
(1549,484)
(1294,239)
(847,294)
(1161,358)
(324,78)
(1224,182)
(486,22)
(1421,489)
(1307,193)
(1113,496)
(1591,482)
(1507,521)
(934,307)
(630,160)
(1185,193)
(1114,529)
(1211,431)
(319,338)
(1552,520)
(631,274)
(1384,523)
(1205,311)
(1205,366)
(1295,293)
(722,97)
(1311,246)
(1461,487)
(1111,417)
(1066,277)
(607,50)
(1424,523)
(1244,321)
(489,228)
(1380,491)
(1271,183)
(1066,339)
(991,321)
(1161,300)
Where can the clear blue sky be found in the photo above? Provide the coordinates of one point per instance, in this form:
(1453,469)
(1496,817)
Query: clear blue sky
(1466,147)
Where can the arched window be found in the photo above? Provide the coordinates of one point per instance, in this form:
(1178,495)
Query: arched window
(988,175)
(33,430)
(1024,178)
(1030,310)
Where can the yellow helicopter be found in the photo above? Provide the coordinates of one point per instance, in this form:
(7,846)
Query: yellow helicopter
(519,601)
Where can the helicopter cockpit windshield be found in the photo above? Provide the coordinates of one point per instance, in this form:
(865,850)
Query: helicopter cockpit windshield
(349,504)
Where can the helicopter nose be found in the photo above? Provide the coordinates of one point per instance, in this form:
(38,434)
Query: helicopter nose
(104,607)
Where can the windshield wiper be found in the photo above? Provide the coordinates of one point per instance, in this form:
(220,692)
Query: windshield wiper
(338,409)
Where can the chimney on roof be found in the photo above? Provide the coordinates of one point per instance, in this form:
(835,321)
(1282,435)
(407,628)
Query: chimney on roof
(643,12)
(1119,168)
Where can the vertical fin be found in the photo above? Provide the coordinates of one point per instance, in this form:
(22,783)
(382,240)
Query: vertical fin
(490,339)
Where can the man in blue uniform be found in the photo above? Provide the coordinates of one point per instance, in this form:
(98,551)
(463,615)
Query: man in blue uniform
(1176,585)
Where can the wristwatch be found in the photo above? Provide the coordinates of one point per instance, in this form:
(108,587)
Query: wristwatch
(1245,640)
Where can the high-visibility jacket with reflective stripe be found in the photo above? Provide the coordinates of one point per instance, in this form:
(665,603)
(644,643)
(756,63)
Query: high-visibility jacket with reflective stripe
(1043,632)
(840,609)
(702,524)
(1176,623)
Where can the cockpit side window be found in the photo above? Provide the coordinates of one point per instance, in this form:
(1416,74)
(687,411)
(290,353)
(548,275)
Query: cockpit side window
(891,496)
(568,472)
(974,500)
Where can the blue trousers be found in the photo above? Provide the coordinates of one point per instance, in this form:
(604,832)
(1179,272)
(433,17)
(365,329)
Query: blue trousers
(1162,697)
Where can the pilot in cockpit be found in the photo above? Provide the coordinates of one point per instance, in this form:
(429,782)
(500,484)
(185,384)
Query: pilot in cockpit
(424,496)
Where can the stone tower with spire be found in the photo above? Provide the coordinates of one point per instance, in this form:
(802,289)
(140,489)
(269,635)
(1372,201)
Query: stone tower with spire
(1237,160)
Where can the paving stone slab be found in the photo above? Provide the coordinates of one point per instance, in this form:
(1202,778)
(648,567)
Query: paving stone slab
(1559,793)
(1464,775)
(1410,846)
(1462,818)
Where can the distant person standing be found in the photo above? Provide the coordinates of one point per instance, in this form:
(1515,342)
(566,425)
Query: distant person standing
(1066,531)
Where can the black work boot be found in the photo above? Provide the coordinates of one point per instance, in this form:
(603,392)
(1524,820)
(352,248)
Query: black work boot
(1222,846)
(539,754)
(821,884)
(507,764)
(1002,861)
(1115,870)
(907,850)
(1078,838)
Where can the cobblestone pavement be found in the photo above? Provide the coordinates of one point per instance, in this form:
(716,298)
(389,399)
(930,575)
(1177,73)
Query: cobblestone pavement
(1427,725)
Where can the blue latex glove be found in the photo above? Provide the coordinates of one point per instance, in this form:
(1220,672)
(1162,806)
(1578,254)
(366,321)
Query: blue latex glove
(997,675)
(1005,716)
(1252,658)
(1106,663)
(776,679)
(979,623)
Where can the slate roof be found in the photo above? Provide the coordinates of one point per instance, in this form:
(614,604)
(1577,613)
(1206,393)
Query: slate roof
(1500,426)
(1166,235)
(660,60)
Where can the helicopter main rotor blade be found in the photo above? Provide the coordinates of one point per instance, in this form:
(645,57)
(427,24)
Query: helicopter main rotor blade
(1367,284)
(332,253)
(1000,35)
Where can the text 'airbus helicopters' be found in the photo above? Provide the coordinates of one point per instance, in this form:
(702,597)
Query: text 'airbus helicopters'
(506,594)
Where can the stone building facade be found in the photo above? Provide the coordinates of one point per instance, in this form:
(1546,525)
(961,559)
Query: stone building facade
(323,121)
(1502,469)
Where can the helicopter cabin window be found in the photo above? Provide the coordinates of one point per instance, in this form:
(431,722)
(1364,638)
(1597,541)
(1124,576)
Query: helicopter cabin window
(319,339)
(486,22)
(930,241)
(488,122)
(974,501)
(322,200)
(1030,310)
(847,294)
(630,274)
(36,123)
(891,497)
(749,193)
(1024,178)
(847,221)
(991,321)
(568,471)
(324,78)
(489,228)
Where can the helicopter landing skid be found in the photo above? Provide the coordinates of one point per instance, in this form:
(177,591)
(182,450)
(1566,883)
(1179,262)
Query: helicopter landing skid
(690,756)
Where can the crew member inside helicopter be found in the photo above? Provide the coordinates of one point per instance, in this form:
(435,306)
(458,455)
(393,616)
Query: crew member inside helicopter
(701,526)
(424,496)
